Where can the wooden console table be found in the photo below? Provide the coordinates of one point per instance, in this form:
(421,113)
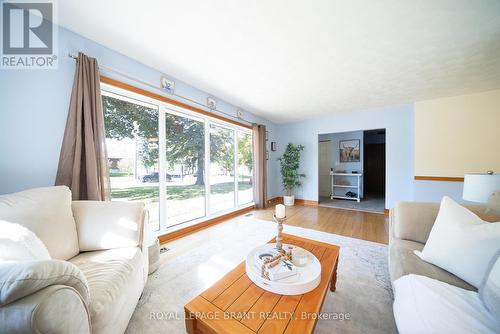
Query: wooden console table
(357,186)
(234,304)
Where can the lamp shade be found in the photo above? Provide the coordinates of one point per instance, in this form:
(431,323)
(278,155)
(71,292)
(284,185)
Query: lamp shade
(478,187)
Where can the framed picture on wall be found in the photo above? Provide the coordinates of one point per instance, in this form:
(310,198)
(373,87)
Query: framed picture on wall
(349,150)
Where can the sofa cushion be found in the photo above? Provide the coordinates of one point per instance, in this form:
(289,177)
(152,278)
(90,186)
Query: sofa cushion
(47,213)
(17,243)
(107,225)
(115,279)
(489,292)
(461,242)
(402,261)
(425,305)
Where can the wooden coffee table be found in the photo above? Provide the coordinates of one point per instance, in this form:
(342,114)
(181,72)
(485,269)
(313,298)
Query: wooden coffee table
(234,304)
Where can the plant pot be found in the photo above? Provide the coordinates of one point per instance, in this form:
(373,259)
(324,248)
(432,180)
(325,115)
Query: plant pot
(289,200)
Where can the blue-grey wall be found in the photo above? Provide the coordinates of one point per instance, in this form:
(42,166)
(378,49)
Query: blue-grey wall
(433,191)
(399,125)
(398,122)
(34,106)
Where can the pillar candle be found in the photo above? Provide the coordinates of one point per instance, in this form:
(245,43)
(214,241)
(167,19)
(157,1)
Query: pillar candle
(280,211)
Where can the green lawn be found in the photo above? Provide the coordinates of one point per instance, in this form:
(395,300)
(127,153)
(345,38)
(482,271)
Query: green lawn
(175,192)
(119,174)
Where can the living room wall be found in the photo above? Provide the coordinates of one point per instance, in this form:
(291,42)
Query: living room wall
(34,106)
(398,122)
(455,135)
(458,134)
(448,119)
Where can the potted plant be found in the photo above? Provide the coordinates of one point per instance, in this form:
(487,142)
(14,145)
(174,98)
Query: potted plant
(290,162)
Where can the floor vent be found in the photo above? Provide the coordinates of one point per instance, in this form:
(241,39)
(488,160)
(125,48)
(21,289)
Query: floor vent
(249,215)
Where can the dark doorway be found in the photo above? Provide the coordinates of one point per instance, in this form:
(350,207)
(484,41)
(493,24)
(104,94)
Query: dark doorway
(374,163)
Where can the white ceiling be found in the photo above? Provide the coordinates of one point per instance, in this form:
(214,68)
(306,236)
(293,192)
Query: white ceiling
(288,60)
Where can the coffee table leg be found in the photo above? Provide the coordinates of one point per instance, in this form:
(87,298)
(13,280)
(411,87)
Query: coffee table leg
(333,282)
(190,322)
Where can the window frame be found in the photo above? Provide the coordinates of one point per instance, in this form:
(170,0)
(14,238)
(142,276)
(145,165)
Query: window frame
(163,108)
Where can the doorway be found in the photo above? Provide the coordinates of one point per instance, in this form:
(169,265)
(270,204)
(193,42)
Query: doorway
(351,170)
(374,163)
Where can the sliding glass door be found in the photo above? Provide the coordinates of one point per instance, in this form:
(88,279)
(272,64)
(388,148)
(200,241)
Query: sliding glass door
(185,168)
(132,144)
(245,168)
(183,165)
(222,173)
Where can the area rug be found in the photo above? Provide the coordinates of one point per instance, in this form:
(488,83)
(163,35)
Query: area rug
(361,304)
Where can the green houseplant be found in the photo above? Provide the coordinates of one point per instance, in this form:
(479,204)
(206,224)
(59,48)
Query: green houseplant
(290,162)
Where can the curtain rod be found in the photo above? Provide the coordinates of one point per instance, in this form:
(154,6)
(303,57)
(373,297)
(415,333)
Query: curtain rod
(107,68)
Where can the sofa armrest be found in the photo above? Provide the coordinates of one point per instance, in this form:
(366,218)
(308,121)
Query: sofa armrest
(412,220)
(108,225)
(19,279)
(41,312)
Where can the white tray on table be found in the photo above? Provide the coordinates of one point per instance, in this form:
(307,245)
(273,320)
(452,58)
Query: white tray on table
(307,278)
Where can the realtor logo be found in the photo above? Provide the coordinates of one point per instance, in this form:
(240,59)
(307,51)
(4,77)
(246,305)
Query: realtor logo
(28,35)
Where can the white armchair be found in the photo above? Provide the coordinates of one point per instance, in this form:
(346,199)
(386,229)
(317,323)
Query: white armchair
(96,248)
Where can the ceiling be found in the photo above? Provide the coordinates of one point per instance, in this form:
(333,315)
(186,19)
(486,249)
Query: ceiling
(288,60)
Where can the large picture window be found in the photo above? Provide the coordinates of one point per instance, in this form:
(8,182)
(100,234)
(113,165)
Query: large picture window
(245,168)
(132,145)
(184,166)
(222,172)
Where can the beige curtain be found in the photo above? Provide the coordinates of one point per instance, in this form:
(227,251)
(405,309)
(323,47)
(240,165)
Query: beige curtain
(83,159)
(260,166)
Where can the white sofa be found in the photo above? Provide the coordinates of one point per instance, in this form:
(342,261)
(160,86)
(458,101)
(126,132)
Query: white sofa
(426,305)
(429,299)
(97,271)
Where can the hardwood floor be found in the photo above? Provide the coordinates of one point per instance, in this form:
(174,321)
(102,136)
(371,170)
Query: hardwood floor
(354,224)
(349,223)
